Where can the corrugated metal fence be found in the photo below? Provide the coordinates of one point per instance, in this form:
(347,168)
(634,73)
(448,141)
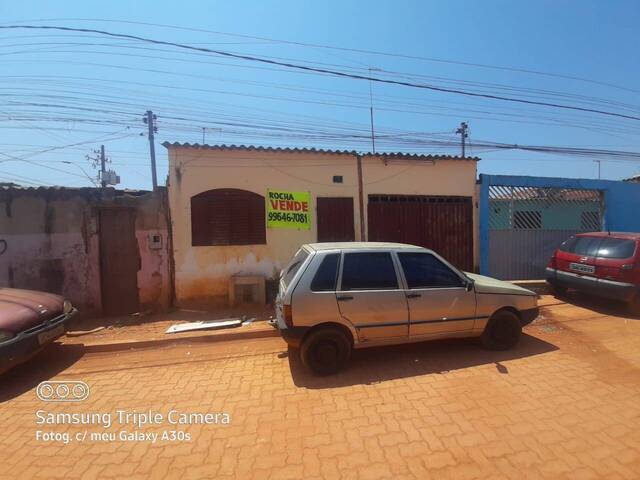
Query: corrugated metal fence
(442,223)
(526,225)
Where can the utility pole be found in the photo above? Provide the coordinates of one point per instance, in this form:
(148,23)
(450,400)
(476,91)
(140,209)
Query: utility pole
(150,120)
(103,169)
(99,161)
(598,162)
(464,128)
(363,234)
(373,135)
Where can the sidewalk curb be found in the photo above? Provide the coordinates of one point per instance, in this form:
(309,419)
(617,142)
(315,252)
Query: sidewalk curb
(114,346)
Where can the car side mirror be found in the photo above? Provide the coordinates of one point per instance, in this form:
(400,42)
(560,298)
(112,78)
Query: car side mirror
(469,285)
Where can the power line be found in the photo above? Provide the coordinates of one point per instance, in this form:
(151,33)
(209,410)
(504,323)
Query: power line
(93,181)
(554,121)
(571,151)
(40,165)
(487,87)
(323,70)
(395,102)
(537,93)
(24,179)
(49,149)
(354,50)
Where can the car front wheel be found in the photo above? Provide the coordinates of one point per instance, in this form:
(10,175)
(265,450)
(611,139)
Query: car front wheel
(502,331)
(325,351)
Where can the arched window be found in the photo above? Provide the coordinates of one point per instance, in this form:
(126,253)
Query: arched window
(227,216)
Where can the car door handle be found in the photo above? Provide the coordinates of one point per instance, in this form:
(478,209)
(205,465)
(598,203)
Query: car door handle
(344,298)
(413,295)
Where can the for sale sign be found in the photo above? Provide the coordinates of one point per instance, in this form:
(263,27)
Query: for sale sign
(288,209)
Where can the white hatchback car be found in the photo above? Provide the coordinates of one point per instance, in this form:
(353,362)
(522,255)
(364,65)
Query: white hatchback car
(337,296)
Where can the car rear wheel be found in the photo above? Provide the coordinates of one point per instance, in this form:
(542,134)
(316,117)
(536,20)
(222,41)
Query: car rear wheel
(325,351)
(502,332)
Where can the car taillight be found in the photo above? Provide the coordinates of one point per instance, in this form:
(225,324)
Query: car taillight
(552,261)
(288,315)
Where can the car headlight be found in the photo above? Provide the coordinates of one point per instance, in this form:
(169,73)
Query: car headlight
(6,335)
(67,306)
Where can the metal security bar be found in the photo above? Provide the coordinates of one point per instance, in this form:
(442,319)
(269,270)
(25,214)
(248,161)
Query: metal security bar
(526,225)
(526,208)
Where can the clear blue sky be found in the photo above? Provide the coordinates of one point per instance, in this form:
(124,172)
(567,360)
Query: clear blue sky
(62,89)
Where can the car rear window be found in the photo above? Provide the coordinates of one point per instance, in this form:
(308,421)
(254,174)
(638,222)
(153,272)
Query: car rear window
(290,270)
(325,278)
(616,248)
(587,246)
(369,271)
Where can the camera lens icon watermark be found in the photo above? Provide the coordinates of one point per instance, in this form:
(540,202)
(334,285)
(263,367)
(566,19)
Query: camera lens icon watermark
(56,391)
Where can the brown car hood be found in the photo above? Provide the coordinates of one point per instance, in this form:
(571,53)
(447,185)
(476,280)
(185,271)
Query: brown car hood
(23,309)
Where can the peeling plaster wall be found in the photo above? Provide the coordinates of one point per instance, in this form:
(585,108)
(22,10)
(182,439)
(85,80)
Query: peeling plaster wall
(154,275)
(52,243)
(202,273)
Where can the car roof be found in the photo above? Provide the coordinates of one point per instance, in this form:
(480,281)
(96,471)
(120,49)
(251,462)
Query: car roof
(625,235)
(361,246)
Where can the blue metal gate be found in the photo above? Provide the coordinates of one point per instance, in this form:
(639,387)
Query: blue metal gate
(523,219)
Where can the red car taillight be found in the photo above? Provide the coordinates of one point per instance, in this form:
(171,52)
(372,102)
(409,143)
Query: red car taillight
(287,315)
(552,261)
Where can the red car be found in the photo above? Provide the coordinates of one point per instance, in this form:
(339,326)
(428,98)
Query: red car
(29,320)
(605,264)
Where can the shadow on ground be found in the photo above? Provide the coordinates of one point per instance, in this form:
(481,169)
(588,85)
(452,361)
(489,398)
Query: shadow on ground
(599,305)
(52,360)
(372,365)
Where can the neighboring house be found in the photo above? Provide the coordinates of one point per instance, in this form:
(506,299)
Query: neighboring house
(523,219)
(104,249)
(241,211)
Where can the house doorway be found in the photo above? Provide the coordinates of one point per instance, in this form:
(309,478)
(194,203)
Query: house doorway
(335,219)
(119,261)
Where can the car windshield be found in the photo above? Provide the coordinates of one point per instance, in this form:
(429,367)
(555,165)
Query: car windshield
(292,267)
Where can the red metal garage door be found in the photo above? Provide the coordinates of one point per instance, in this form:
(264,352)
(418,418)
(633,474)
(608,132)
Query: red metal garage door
(443,224)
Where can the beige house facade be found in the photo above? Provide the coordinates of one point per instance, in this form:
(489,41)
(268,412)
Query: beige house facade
(221,210)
